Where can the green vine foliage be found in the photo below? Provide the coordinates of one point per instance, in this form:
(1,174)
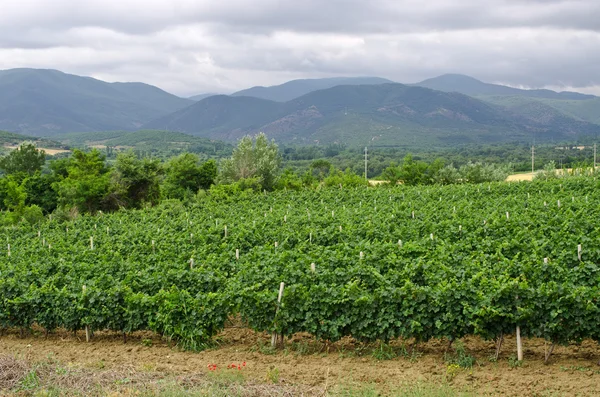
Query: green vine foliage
(462,267)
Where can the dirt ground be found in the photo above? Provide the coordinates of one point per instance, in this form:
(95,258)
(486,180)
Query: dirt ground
(51,152)
(572,371)
(527,176)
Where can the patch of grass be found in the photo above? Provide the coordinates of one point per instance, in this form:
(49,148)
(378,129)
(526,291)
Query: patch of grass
(272,375)
(417,390)
(30,381)
(301,348)
(460,357)
(263,347)
(384,352)
(514,362)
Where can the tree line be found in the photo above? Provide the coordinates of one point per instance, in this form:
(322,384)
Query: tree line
(86,182)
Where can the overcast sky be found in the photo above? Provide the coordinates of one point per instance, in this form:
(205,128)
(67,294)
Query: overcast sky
(196,46)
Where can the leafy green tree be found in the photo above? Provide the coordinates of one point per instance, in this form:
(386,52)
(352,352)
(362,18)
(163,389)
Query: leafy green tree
(208,174)
(413,172)
(26,159)
(392,174)
(259,158)
(135,181)
(447,175)
(347,179)
(15,197)
(289,180)
(40,192)
(87,183)
(185,176)
(321,168)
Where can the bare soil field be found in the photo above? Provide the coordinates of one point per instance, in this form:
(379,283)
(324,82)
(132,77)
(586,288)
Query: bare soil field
(307,367)
(48,151)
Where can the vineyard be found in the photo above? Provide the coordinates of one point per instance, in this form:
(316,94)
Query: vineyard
(371,263)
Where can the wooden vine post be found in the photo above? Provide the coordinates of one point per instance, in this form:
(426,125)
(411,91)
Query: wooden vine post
(274,336)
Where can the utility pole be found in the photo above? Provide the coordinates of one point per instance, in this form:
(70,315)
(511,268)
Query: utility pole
(532,158)
(365,162)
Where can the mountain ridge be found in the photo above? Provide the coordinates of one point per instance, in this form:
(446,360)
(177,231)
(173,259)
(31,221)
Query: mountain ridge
(454,82)
(356,113)
(47,101)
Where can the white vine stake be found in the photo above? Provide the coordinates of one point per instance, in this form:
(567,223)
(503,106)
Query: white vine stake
(332,214)
(276,244)
(400,243)
(91,242)
(459,228)
(191,263)
(546,260)
(361,255)
(507,216)
(87,328)
(39,233)
(274,336)
(8,249)
(237,254)
(225,231)
(519,345)
(413,214)
(558,203)
(340,228)
(153,246)
(310,238)
(579,252)
(191,237)
(431,236)
(313,267)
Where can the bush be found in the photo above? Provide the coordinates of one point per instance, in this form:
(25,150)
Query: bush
(33,214)
(346,179)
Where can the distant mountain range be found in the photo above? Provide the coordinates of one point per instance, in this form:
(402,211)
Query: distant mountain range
(391,114)
(470,86)
(446,110)
(296,88)
(200,97)
(46,102)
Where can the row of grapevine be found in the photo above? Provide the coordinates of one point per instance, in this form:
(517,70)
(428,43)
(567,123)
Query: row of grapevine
(427,262)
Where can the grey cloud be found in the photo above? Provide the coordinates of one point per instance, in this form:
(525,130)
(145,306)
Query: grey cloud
(191,46)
